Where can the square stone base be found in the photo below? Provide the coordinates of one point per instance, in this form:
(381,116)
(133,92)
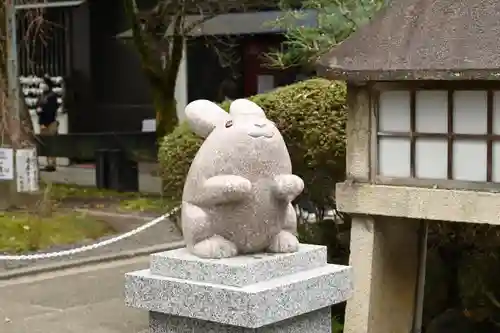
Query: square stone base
(319,321)
(289,292)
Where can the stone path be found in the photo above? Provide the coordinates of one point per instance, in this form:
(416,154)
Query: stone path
(79,300)
(84,176)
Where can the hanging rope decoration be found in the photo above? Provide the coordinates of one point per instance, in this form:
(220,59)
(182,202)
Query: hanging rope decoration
(32,90)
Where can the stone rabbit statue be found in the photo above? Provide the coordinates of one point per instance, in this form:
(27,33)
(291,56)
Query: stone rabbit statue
(238,192)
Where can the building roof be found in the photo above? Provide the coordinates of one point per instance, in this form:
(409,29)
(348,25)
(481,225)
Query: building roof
(241,23)
(26,5)
(422,40)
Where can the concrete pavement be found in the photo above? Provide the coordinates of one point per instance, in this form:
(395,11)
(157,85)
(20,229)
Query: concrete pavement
(78,300)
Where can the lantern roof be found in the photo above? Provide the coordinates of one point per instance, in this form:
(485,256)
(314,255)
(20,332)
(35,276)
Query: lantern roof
(421,40)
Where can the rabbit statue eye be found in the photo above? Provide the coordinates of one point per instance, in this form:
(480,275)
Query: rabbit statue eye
(229,123)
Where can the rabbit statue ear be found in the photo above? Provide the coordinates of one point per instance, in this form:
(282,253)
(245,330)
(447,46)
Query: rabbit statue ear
(203,116)
(245,107)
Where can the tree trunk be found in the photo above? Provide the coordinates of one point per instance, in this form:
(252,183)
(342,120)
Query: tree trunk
(162,80)
(165,107)
(16,129)
(165,102)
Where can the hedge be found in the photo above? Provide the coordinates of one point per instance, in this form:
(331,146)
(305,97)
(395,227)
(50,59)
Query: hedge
(311,116)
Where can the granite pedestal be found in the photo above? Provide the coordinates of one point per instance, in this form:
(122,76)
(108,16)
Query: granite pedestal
(254,293)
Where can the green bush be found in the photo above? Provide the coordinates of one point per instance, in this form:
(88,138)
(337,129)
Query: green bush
(311,117)
(175,155)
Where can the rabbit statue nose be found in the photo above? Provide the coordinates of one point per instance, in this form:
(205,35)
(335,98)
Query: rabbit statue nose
(261,130)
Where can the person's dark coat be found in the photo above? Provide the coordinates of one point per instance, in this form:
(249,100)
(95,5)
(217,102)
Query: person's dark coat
(48,105)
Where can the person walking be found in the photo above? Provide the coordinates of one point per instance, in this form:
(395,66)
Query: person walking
(47,116)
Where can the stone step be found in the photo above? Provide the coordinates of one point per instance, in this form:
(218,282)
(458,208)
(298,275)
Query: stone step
(252,306)
(238,271)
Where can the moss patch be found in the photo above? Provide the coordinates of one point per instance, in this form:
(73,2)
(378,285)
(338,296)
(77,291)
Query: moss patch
(52,220)
(145,204)
(63,192)
(127,202)
(21,231)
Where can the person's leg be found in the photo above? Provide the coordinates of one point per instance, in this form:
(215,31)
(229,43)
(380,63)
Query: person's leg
(50,129)
(44,130)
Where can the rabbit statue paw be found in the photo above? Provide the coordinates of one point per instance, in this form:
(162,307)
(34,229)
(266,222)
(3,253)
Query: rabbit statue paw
(284,242)
(287,187)
(225,189)
(215,247)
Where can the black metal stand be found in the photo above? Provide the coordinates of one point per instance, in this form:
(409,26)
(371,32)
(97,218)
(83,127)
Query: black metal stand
(115,171)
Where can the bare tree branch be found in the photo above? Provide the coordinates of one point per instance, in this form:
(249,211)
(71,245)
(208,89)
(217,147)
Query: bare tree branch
(161,32)
(13,130)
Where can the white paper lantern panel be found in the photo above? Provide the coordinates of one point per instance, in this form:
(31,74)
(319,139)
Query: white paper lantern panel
(431,158)
(394,157)
(495,172)
(496,112)
(394,111)
(470,112)
(470,160)
(431,114)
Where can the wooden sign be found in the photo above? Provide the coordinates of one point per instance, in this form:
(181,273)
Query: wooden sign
(6,164)
(27,170)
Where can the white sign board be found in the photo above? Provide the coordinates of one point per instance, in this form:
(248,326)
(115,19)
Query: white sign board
(265,83)
(6,164)
(27,170)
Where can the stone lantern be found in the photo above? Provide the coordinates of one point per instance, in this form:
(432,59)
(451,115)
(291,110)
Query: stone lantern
(423,144)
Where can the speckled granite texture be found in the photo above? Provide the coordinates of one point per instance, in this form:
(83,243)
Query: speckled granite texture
(255,304)
(313,322)
(237,271)
(238,197)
